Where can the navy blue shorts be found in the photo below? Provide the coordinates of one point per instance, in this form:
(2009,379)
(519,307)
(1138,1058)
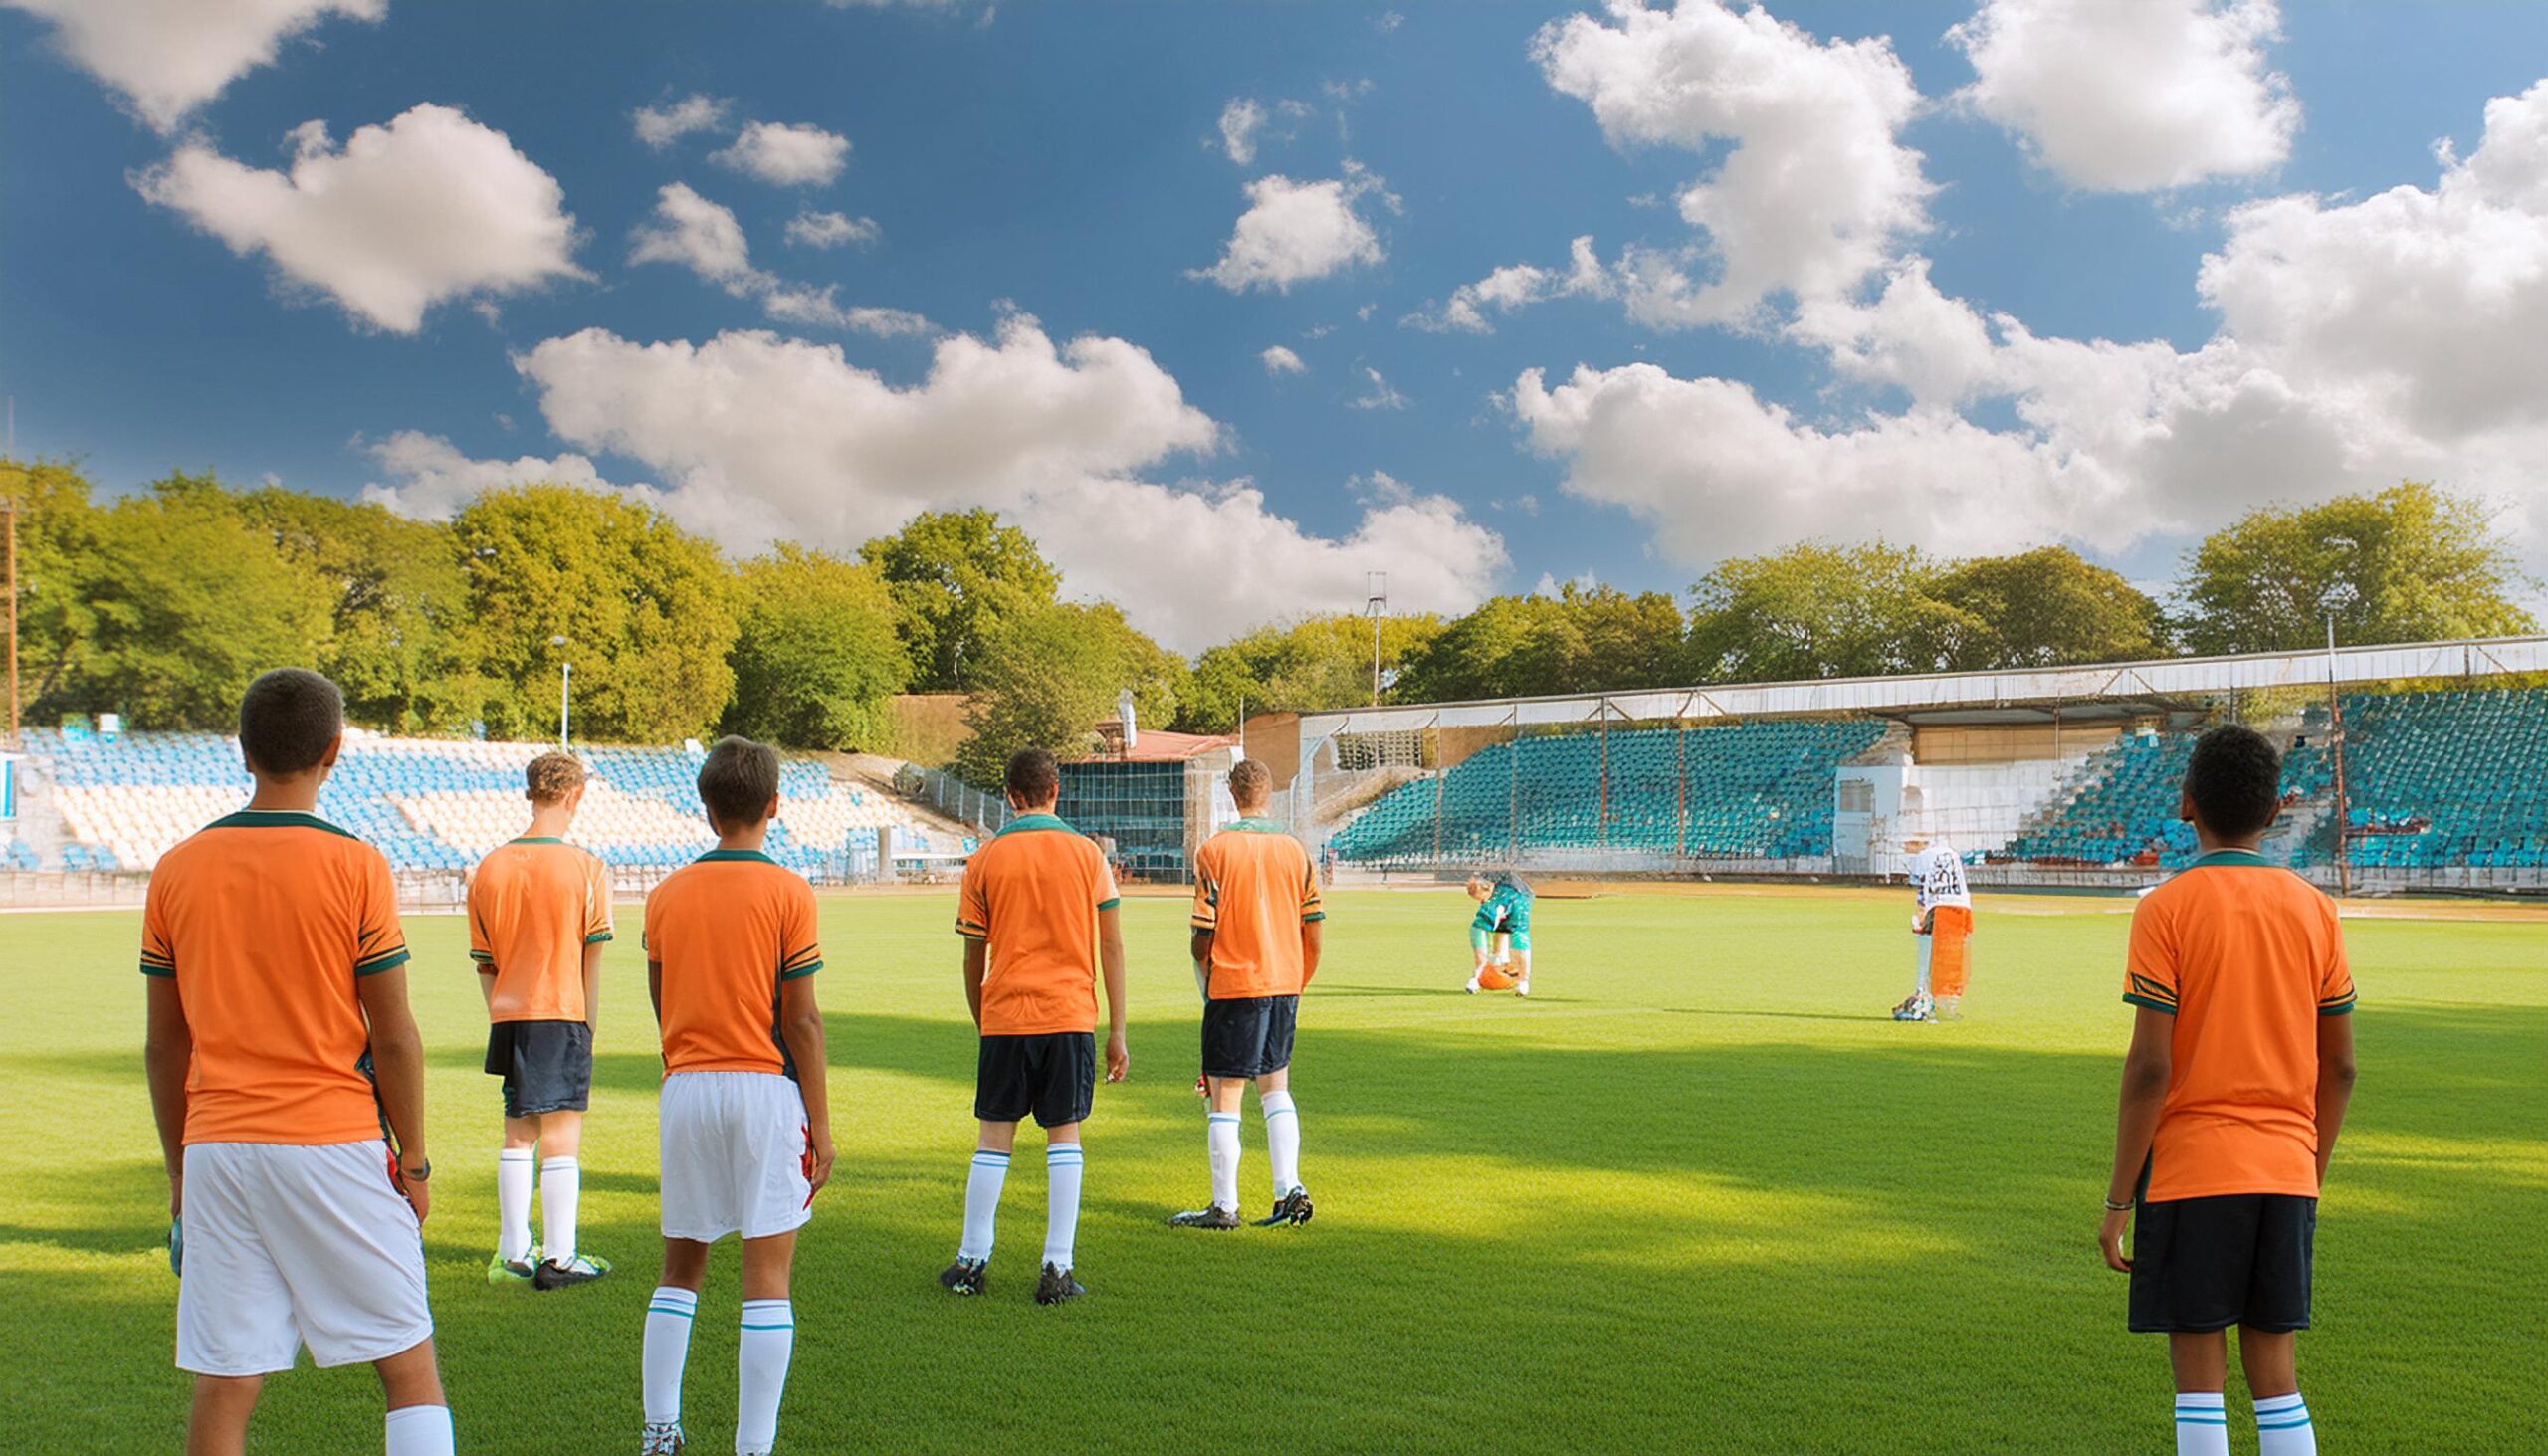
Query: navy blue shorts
(547,1066)
(2205,1264)
(1249,1036)
(1052,1076)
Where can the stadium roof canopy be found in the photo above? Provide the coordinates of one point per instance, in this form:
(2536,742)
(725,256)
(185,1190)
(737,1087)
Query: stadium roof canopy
(2070,693)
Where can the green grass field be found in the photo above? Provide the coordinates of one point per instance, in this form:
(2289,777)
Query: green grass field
(1698,1194)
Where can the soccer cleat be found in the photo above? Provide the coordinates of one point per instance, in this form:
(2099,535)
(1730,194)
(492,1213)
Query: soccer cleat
(580,1269)
(661,1439)
(1292,1208)
(1521,988)
(966,1277)
(502,1272)
(1057,1286)
(1212,1216)
(1472,985)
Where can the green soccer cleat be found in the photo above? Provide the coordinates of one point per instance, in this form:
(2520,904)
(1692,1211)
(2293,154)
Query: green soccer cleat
(1057,1286)
(506,1272)
(1292,1208)
(581,1269)
(966,1277)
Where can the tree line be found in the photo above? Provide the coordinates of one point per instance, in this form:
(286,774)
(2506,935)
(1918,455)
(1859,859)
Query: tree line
(164,603)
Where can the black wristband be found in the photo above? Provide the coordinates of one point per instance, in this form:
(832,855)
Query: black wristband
(417,1175)
(2114,1207)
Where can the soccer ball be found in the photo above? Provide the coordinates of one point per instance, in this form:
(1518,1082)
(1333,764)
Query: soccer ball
(1492,980)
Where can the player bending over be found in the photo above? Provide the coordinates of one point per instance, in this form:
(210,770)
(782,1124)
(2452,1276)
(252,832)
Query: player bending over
(538,915)
(1500,933)
(1942,920)
(280,1047)
(2240,1067)
(1039,919)
(746,1120)
(1258,923)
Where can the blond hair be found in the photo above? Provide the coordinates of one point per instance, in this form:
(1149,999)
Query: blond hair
(551,776)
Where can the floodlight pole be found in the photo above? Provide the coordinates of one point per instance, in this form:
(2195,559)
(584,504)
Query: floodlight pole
(1375,606)
(9,511)
(565,690)
(2336,708)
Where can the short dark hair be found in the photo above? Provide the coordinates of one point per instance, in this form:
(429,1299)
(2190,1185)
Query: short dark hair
(1035,775)
(737,781)
(2235,780)
(1250,781)
(287,721)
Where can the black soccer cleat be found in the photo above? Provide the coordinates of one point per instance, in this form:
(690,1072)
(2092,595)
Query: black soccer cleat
(1293,1208)
(581,1269)
(1213,1216)
(1057,1286)
(966,1277)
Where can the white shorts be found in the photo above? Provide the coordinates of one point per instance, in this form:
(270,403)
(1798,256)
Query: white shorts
(288,1246)
(734,1152)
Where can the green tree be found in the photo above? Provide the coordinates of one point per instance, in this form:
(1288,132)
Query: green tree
(1047,678)
(2409,564)
(57,547)
(1822,611)
(184,601)
(1308,666)
(957,578)
(2048,608)
(817,661)
(1584,639)
(646,609)
(401,599)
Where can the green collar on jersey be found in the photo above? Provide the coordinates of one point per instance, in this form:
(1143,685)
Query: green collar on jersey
(540,839)
(719,856)
(2233,858)
(275,820)
(1030,822)
(1257,826)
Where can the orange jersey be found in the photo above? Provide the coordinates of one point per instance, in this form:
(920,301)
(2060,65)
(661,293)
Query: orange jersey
(2246,957)
(1032,896)
(1254,889)
(534,905)
(265,919)
(728,928)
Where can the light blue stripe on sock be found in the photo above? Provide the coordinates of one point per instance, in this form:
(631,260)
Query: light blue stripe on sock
(2187,1418)
(769,1327)
(2282,1425)
(1281,1111)
(1222,1116)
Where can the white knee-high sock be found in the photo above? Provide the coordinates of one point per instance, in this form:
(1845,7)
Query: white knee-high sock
(1220,1150)
(668,1319)
(1061,1213)
(2284,1428)
(419,1430)
(1282,1139)
(981,1204)
(2202,1426)
(768,1342)
(561,1185)
(513,1204)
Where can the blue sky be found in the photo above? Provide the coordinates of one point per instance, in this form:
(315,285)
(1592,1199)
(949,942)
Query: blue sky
(1065,164)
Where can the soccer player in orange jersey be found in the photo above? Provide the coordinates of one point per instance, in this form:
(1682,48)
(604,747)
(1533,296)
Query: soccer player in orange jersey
(539,916)
(745,1120)
(1039,919)
(2240,1066)
(1257,927)
(280,1049)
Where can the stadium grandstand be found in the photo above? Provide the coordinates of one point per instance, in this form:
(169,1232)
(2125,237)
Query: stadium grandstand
(97,805)
(2405,767)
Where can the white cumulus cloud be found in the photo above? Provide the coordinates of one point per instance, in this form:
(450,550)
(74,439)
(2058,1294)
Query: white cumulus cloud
(1815,190)
(2359,343)
(1516,286)
(168,57)
(431,207)
(430,478)
(1294,232)
(787,155)
(661,126)
(692,232)
(2133,97)
(1378,393)
(755,437)
(831,230)
(1281,360)
(1241,120)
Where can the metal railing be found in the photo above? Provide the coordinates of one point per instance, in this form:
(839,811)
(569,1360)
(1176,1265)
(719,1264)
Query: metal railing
(952,797)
